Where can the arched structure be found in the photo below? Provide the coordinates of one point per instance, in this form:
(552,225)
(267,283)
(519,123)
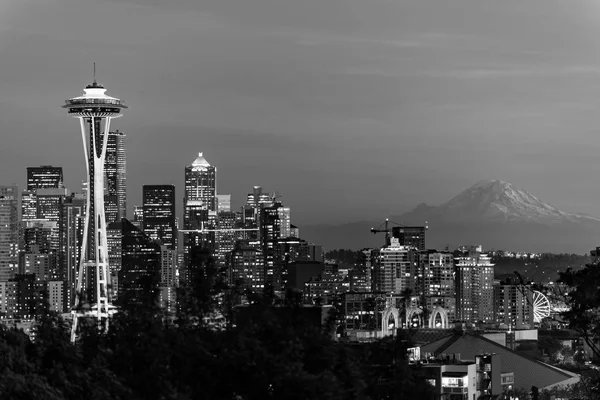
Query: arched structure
(438,318)
(414,317)
(385,320)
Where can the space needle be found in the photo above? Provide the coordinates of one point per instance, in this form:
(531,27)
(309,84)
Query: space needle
(95,110)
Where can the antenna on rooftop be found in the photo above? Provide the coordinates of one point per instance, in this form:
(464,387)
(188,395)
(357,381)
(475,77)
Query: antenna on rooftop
(94,73)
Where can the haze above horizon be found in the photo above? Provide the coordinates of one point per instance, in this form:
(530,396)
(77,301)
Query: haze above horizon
(354,110)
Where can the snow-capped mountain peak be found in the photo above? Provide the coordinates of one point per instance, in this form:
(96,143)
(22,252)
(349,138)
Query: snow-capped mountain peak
(496,200)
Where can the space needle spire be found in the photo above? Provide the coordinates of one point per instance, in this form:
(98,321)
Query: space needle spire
(95,110)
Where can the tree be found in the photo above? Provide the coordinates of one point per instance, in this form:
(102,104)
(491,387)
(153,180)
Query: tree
(583,299)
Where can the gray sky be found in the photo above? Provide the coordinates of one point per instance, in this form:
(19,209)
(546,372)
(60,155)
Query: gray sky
(354,109)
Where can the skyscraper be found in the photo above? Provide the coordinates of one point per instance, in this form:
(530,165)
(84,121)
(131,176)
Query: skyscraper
(159,214)
(474,285)
(9,231)
(201,184)
(115,197)
(39,178)
(393,270)
(199,204)
(513,305)
(71,227)
(139,276)
(44,177)
(435,283)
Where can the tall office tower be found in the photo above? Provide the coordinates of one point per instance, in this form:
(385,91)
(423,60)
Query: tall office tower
(513,305)
(44,177)
(393,270)
(139,276)
(201,184)
(413,236)
(474,285)
(169,280)
(271,230)
(115,197)
(114,236)
(138,217)
(95,110)
(71,227)
(255,201)
(9,231)
(199,204)
(49,208)
(159,214)
(245,266)
(435,287)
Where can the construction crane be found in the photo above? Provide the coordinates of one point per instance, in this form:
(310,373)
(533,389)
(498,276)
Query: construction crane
(388,231)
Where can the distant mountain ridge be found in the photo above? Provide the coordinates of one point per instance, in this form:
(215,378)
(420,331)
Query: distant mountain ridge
(492,213)
(496,201)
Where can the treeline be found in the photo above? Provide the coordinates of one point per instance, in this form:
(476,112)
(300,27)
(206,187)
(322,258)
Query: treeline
(142,357)
(546,268)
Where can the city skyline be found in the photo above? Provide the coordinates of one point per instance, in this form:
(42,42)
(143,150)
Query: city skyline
(398,95)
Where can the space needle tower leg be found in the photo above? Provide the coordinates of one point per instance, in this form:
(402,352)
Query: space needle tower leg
(96,110)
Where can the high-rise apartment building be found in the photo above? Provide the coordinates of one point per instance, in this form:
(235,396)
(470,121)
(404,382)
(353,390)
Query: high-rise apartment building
(513,305)
(394,270)
(10,206)
(44,177)
(115,163)
(159,214)
(435,283)
(474,285)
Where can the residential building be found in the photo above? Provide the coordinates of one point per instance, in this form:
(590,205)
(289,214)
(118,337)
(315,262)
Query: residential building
(513,306)
(474,285)
(393,270)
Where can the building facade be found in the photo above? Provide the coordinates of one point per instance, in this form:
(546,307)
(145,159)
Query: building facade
(474,286)
(115,170)
(9,231)
(159,214)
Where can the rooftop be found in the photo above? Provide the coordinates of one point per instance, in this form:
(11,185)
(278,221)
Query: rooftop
(528,372)
(200,163)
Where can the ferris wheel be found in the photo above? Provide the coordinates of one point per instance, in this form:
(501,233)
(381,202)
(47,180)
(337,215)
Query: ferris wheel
(541,307)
